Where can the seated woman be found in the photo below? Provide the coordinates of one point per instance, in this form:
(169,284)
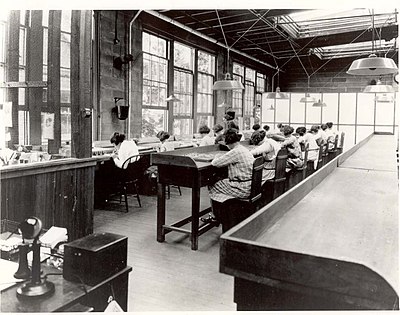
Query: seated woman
(219,133)
(256,127)
(268,148)
(207,139)
(291,143)
(123,149)
(309,137)
(239,161)
(165,146)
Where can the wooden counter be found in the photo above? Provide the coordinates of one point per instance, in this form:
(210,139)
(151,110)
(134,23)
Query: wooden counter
(335,249)
(59,192)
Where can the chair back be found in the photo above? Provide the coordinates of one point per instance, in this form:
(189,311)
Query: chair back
(320,162)
(335,144)
(280,165)
(341,141)
(305,161)
(256,179)
(131,168)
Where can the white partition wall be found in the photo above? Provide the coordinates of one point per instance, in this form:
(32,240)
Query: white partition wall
(357,114)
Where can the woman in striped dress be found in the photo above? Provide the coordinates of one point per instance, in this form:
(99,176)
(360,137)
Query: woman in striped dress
(239,161)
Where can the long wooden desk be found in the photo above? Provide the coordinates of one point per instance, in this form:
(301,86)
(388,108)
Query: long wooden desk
(177,168)
(328,247)
(70,296)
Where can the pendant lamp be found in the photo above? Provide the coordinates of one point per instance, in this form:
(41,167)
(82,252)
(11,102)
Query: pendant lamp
(228,84)
(173,98)
(277,95)
(308,99)
(271,107)
(378,87)
(319,104)
(373,65)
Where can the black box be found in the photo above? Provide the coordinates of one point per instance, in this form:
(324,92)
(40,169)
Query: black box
(93,258)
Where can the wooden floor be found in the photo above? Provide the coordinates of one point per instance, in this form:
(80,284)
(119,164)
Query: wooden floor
(169,276)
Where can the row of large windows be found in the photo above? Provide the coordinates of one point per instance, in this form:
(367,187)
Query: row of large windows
(193,78)
(357,114)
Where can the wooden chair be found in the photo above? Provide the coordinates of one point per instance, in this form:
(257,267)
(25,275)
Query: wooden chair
(234,211)
(339,149)
(128,178)
(310,164)
(325,153)
(275,187)
(295,176)
(332,152)
(320,157)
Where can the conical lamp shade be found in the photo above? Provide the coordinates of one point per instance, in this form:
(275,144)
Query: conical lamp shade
(378,88)
(227,84)
(277,95)
(173,98)
(308,99)
(373,65)
(319,104)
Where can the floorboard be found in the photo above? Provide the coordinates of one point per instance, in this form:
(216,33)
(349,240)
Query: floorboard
(168,276)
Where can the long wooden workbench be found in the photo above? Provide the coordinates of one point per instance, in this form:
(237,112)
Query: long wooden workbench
(182,168)
(334,249)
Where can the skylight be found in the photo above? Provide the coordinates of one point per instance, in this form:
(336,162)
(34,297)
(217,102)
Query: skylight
(327,22)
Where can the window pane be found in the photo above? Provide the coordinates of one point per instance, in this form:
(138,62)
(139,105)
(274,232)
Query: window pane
(66,21)
(330,112)
(183,127)
(65,124)
(267,109)
(204,120)
(65,86)
(347,108)
(297,108)
(282,111)
(183,56)
(153,121)
(313,113)
(183,90)
(206,63)
(365,108)
(205,93)
(65,50)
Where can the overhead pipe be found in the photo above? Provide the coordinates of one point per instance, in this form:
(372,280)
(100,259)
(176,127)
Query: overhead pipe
(212,40)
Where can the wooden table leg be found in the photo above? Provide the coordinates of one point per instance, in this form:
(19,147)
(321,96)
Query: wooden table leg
(194,237)
(160,212)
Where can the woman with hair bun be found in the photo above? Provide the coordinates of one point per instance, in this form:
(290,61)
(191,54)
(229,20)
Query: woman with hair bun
(239,161)
(124,149)
(291,143)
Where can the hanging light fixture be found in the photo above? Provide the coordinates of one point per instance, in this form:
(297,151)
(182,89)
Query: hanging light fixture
(173,98)
(228,84)
(384,98)
(378,87)
(319,104)
(271,107)
(277,94)
(308,98)
(373,65)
